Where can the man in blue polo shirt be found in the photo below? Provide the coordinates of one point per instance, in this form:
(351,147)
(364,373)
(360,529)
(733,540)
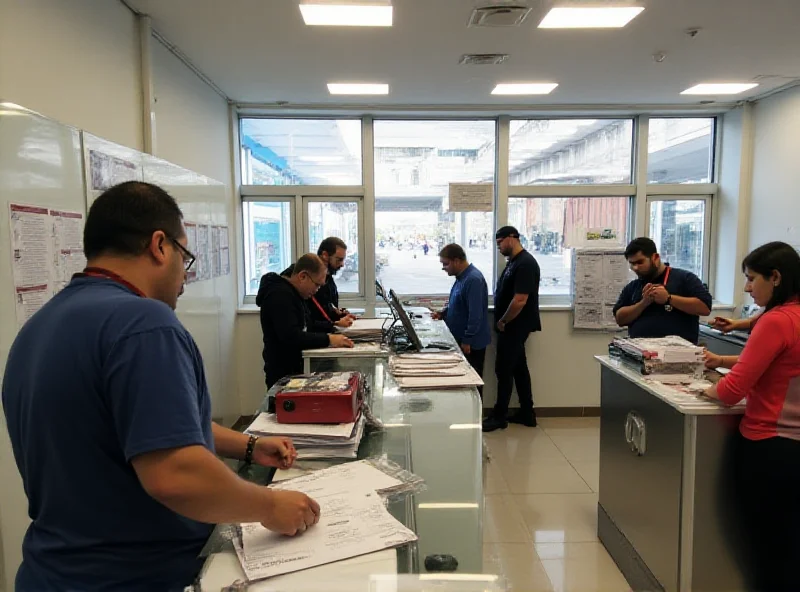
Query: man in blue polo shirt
(109,415)
(663,300)
(467,311)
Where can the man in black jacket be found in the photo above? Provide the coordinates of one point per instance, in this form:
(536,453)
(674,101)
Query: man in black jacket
(323,307)
(284,318)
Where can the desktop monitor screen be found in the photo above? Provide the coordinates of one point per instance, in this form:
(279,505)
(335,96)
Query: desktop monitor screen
(401,313)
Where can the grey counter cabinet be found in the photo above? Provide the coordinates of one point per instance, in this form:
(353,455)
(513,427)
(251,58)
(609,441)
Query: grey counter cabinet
(667,507)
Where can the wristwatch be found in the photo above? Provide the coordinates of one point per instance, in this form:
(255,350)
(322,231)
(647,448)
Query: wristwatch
(668,305)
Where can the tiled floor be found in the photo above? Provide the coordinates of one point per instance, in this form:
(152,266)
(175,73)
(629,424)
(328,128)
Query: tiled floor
(540,526)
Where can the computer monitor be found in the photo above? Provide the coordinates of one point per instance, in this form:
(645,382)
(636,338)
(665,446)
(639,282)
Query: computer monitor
(405,320)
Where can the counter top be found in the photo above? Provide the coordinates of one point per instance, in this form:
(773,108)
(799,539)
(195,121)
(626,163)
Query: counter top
(686,403)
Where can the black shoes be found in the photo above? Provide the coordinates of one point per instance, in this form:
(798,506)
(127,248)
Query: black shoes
(526,418)
(493,423)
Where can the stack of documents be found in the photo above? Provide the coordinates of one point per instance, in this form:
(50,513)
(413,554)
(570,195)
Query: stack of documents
(364,330)
(313,440)
(660,355)
(433,371)
(353,521)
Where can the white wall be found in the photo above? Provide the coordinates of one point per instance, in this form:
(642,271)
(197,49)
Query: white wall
(74,61)
(775,207)
(192,130)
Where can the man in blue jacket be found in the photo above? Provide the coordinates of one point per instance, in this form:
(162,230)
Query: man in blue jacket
(467,311)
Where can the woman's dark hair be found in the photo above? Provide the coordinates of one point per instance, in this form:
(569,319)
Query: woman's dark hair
(784,259)
(124,217)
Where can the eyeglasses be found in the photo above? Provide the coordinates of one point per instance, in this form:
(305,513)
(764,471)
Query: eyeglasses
(316,283)
(188,256)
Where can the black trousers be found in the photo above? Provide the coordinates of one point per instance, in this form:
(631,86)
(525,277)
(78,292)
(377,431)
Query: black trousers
(476,359)
(768,496)
(510,367)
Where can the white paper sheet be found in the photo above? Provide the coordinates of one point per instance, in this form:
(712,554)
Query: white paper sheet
(350,525)
(267,423)
(203,257)
(353,476)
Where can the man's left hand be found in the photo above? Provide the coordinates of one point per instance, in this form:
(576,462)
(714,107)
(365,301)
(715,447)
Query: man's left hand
(501,326)
(466,348)
(274,452)
(344,322)
(659,294)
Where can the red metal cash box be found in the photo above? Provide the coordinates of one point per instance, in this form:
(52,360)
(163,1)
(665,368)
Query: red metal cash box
(325,397)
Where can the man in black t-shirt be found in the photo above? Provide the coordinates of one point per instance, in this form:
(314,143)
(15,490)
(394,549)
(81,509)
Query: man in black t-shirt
(663,300)
(516,309)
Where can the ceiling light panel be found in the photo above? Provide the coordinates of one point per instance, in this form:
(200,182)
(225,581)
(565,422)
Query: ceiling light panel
(343,14)
(524,88)
(576,17)
(351,88)
(726,88)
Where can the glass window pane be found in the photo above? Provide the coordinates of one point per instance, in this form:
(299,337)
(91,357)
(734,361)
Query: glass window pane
(415,161)
(267,239)
(570,151)
(550,226)
(301,151)
(680,150)
(339,219)
(678,228)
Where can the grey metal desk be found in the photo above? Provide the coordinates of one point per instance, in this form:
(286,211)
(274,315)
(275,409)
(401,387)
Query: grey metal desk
(666,512)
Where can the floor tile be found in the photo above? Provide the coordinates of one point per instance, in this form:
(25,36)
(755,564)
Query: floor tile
(503,522)
(520,448)
(518,565)
(578,446)
(559,518)
(579,567)
(590,472)
(548,423)
(543,476)
(493,481)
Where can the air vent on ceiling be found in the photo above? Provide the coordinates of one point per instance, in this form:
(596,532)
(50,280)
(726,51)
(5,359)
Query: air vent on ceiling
(482,59)
(499,15)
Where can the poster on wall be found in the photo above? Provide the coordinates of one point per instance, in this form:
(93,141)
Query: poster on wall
(471,197)
(215,267)
(599,275)
(46,250)
(191,245)
(224,251)
(203,263)
(107,171)
(68,257)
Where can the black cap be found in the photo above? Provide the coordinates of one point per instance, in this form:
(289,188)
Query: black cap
(505,232)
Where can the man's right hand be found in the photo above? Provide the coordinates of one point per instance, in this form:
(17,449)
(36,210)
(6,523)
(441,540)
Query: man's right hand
(339,341)
(344,322)
(290,512)
(436,316)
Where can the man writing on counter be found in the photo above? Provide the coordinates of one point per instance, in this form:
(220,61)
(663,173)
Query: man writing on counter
(517,316)
(324,313)
(109,415)
(663,300)
(285,318)
(467,310)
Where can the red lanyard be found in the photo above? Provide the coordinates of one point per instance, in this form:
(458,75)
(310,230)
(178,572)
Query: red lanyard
(322,310)
(99,272)
(666,277)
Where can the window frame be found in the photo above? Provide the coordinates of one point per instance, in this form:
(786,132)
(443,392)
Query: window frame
(713,165)
(639,191)
(708,214)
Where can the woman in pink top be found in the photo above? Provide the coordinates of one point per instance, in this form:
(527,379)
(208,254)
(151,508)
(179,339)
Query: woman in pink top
(767,374)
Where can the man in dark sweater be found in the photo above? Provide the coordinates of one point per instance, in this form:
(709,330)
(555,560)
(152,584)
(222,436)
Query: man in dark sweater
(323,307)
(284,318)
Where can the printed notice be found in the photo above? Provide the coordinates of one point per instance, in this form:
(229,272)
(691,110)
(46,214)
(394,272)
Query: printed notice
(191,245)
(30,245)
(598,279)
(471,197)
(203,264)
(29,300)
(68,257)
(224,251)
(107,171)
(215,266)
